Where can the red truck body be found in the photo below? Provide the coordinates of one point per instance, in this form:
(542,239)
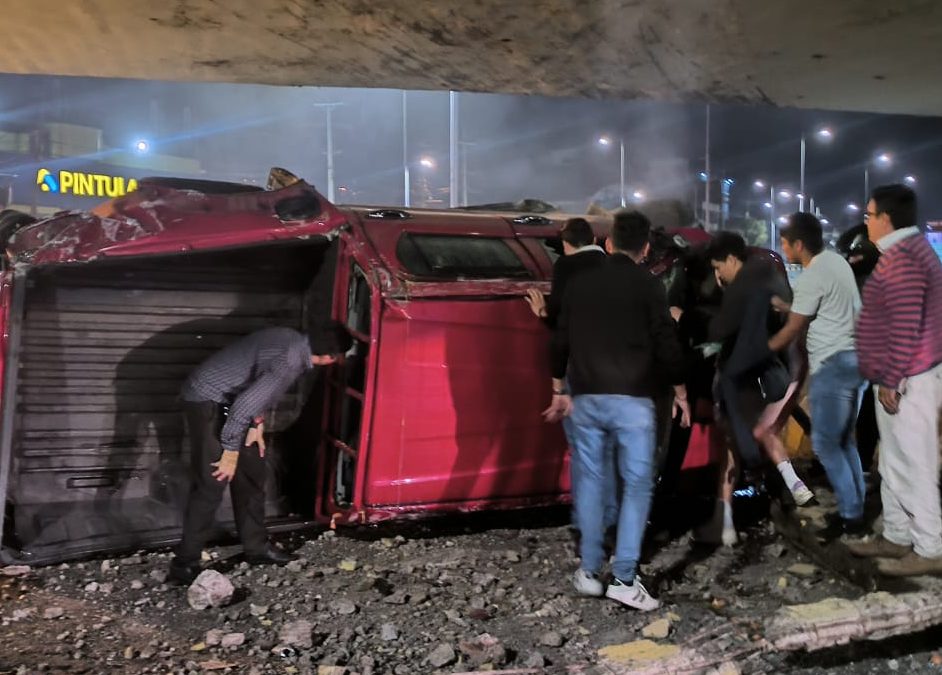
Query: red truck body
(436,410)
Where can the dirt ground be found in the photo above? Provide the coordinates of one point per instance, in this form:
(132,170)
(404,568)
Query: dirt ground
(472,594)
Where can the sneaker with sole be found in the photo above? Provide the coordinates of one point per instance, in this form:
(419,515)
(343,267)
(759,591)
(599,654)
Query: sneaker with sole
(634,595)
(877,547)
(910,565)
(588,584)
(730,537)
(801,494)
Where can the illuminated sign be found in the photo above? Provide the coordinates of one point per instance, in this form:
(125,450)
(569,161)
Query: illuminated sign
(84,184)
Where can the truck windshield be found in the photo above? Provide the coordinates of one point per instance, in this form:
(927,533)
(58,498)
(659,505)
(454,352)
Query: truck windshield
(456,257)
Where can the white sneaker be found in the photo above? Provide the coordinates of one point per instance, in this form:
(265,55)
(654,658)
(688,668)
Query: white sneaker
(587,584)
(801,493)
(634,595)
(730,537)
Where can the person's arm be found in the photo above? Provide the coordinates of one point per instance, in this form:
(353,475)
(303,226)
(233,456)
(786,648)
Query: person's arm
(809,292)
(554,302)
(904,299)
(668,353)
(561,403)
(254,401)
(793,328)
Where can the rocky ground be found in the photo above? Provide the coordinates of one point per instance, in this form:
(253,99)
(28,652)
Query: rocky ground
(439,597)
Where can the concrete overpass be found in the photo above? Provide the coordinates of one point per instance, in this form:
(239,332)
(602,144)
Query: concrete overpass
(839,54)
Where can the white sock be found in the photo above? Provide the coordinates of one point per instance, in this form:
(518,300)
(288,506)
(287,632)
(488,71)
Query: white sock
(788,473)
(727,515)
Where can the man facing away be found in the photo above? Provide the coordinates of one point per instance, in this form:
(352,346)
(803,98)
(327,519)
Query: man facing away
(826,302)
(615,341)
(224,401)
(580,253)
(899,343)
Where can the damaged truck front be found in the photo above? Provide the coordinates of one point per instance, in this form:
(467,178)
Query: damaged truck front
(103,315)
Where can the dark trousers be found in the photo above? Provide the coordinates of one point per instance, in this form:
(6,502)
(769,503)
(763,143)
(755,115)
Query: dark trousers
(204,421)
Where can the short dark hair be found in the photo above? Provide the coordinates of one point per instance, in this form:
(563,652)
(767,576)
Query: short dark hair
(331,338)
(577,232)
(631,231)
(725,244)
(898,202)
(806,228)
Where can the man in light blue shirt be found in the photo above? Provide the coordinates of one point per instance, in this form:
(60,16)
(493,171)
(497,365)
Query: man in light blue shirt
(826,302)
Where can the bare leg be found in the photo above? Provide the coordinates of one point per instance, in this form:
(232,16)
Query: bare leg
(766,434)
(729,470)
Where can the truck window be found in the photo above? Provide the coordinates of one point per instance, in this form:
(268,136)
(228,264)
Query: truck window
(457,257)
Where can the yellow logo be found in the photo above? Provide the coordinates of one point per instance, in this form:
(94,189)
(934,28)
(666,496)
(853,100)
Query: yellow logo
(84,184)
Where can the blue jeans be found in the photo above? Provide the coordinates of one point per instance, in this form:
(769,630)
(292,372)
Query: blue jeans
(626,423)
(609,485)
(835,392)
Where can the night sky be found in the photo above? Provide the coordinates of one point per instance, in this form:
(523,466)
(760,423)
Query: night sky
(516,146)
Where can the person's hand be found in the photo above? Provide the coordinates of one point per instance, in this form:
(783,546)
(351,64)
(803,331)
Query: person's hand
(889,399)
(676,313)
(226,466)
(681,406)
(560,407)
(255,436)
(537,302)
(780,305)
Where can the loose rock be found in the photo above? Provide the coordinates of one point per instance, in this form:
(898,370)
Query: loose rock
(485,648)
(213,637)
(210,589)
(297,634)
(15,570)
(551,639)
(343,606)
(232,640)
(803,570)
(53,613)
(388,632)
(443,655)
(657,630)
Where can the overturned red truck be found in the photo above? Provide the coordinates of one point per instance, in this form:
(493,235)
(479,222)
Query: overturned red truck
(436,409)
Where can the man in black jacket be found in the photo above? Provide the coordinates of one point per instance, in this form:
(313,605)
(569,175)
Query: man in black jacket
(580,252)
(615,341)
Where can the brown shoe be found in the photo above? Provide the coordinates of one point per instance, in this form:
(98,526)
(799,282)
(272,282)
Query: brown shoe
(910,565)
(877,547)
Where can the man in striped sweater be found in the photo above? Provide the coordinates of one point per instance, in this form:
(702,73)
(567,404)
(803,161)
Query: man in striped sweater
(899,343)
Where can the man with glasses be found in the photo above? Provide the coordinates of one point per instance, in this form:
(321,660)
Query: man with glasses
(899,343)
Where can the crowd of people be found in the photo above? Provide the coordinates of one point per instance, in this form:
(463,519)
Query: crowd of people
(618,354)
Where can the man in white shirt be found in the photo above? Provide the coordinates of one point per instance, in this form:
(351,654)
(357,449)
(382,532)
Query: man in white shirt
(826,302)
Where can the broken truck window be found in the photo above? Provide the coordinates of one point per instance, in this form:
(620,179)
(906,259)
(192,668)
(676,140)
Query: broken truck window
(453,257)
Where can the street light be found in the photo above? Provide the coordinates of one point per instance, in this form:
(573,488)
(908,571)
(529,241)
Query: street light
(142,146)
(606,141)
(770,205)
(784,195)
(882,160)
(824,134)
(852,208)
(427,163)
(638,195)
(909,180)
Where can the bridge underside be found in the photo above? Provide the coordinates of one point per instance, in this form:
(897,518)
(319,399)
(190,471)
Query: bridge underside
(842,54)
